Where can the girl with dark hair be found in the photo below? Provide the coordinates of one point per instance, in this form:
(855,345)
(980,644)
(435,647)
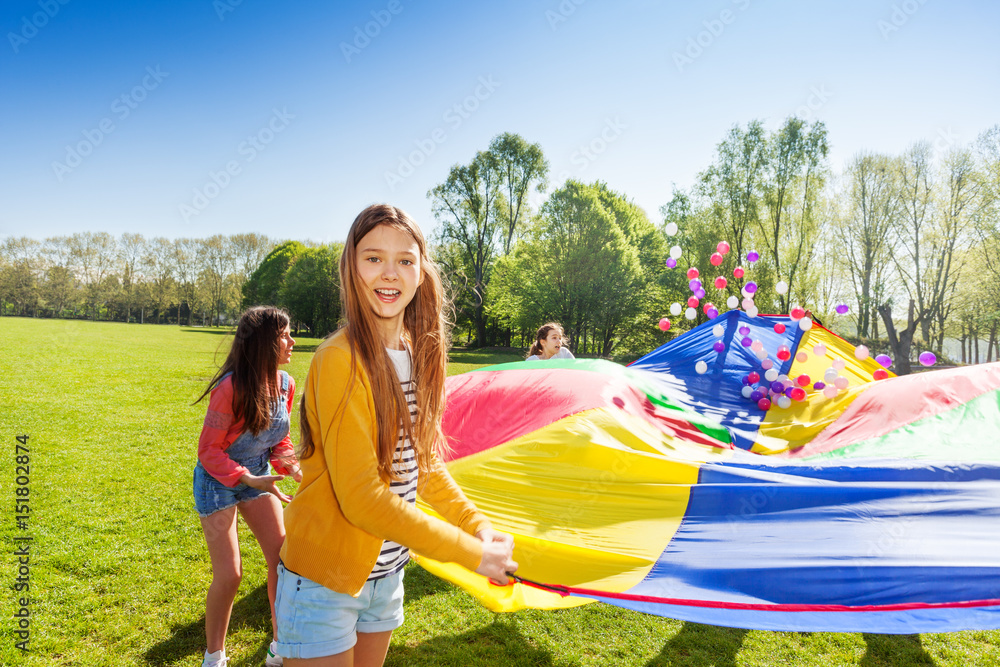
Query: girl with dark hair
(371,439)
(550,343)
(247,425)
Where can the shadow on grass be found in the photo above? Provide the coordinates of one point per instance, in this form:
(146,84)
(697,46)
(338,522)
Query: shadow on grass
(214,331)
(486,356)
(894,651)
(299,347)
(499,643)
(250,611)
(420,583)
(700,645)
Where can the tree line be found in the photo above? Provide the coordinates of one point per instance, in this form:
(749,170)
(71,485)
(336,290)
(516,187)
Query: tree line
(910,242)
(94,275)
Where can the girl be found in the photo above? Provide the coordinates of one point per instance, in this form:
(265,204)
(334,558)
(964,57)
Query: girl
(371,434)
(549,344)
(247,423)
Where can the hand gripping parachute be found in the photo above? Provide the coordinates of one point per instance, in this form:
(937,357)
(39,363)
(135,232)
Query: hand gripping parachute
(664,490)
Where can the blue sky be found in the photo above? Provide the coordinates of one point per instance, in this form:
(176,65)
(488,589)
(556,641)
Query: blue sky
(193,117)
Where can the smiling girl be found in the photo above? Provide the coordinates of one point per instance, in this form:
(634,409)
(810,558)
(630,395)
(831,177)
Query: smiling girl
(371,437)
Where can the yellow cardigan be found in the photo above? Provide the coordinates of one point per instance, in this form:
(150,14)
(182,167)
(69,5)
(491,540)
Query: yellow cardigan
(343,509)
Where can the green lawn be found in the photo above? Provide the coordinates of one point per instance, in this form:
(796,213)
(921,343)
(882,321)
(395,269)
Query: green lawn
(119,567)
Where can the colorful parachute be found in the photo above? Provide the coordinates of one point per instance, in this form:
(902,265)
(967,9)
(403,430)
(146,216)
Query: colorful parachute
(663,489)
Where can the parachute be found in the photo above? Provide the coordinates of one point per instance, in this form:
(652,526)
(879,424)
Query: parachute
(661,487)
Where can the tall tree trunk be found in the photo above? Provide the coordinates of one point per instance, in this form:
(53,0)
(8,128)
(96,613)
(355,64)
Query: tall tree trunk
(479,320)
(901,342)
(993,340)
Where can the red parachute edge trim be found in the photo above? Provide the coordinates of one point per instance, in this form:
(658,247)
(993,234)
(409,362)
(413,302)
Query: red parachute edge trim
(566,591)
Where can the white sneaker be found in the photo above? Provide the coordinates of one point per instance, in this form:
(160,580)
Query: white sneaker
(273,659)
(216,659)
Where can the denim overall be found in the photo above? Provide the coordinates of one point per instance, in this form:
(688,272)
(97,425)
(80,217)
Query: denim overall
(252,452)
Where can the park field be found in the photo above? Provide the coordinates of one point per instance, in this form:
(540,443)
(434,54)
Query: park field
(118,568)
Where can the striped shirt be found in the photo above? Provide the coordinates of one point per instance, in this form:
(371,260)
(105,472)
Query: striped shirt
(393,556)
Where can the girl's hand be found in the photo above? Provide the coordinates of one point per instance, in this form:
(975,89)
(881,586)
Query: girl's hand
(267,483)
(490,535)
(498,551)
(297,474)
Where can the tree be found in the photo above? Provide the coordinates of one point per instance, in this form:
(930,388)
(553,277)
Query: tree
(867,232)
(19,274)
(264,285)
(248,250)
(131,249)
(469,206)
(311,288)
(185,266)
(577,267)
(963,200)
(61,290)
(159,267)
(794,175)
(916,193)
(94,256)
(217,262)
(734,183)
(518,165)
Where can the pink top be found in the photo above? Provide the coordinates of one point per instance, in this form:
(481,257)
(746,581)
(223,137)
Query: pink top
(220,430)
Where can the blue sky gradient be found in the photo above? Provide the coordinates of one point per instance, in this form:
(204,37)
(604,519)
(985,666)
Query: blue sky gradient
(433,86)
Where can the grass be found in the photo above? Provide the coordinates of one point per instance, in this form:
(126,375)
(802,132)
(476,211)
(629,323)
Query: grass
(119,567)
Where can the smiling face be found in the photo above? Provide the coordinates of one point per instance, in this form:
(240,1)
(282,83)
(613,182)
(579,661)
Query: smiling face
(285,345)
(551,343)
(388,264)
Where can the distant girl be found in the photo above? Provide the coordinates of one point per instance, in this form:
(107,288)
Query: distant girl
(246,426)
(550,343)
(371,434)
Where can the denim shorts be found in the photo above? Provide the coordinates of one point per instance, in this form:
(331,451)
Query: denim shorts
(211,495)
(315,622)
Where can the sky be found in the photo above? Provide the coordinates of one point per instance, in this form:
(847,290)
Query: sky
(188,118)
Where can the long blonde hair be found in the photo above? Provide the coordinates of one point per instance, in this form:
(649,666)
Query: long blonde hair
(424,326)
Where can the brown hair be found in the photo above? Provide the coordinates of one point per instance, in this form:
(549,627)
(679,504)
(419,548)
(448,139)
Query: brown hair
(543,333)
(424,328)
(253,361)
